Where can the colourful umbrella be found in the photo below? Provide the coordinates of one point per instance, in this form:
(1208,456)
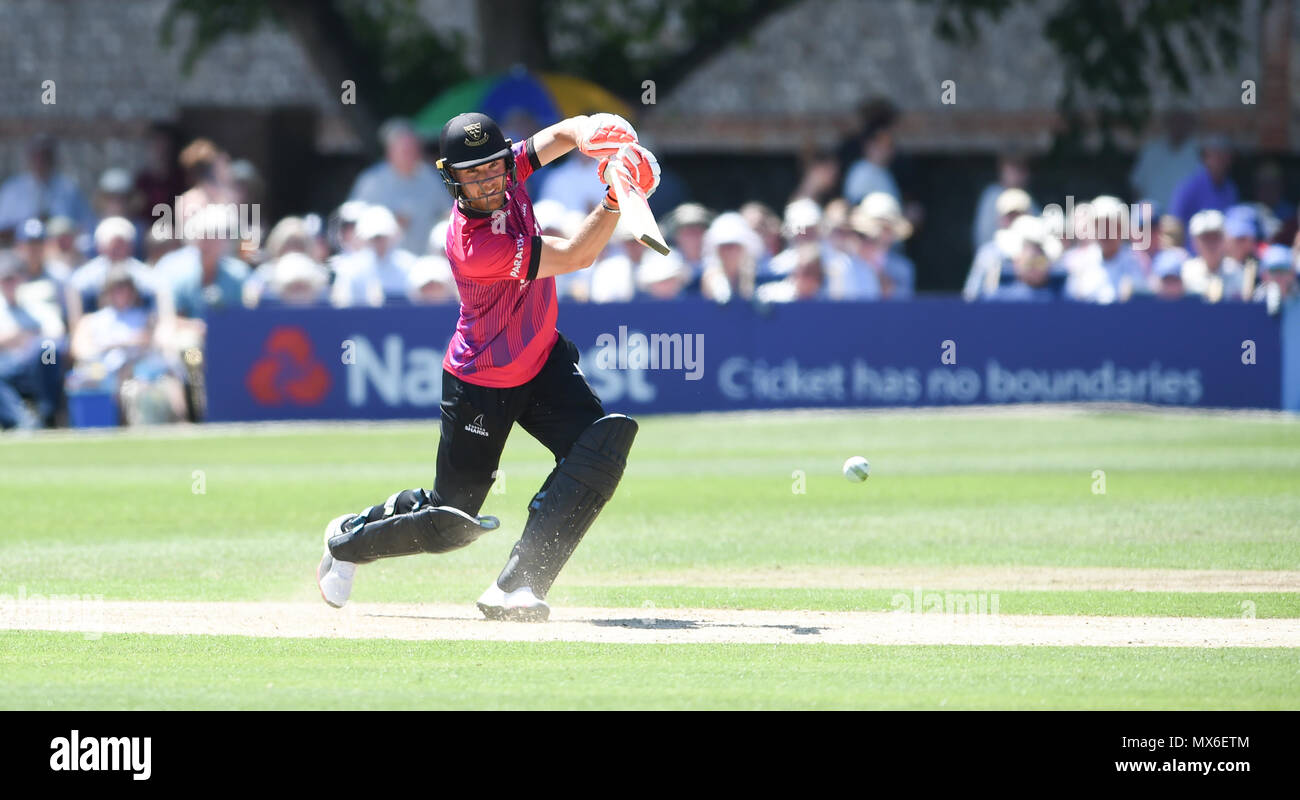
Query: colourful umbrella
(546,97)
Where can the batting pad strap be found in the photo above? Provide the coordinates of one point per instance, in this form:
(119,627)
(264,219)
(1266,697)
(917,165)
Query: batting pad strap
(390,505)
(432,529)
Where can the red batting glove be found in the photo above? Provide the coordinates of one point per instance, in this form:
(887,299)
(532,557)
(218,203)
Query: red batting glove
(604,134)
(637,166)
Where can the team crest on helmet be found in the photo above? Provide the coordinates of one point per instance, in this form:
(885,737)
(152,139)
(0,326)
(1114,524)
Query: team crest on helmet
(474,135)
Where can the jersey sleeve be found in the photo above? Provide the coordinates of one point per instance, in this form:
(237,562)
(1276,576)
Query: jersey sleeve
(526,161)
(511,256)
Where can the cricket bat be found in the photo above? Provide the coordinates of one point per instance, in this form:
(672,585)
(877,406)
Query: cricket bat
(637,216)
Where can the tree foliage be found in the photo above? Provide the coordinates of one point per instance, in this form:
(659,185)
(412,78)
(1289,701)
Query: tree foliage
(621,44)
(662,40)
(1113,50)
(387,39)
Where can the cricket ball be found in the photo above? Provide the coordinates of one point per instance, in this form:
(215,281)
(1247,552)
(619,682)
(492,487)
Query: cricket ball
(857,469)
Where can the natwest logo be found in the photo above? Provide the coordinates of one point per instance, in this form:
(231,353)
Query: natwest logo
(288,372)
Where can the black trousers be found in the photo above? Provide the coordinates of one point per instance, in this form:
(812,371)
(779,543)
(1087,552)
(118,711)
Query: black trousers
(554,407)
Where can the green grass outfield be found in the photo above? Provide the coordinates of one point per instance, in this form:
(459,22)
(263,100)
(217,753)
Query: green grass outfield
(66,671)
(236,514)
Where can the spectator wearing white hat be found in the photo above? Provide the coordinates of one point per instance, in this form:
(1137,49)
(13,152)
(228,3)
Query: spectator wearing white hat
(555,219)
(803,225)
(116,193)
(117,197)
(380,271)
(1110,254)
(991,258)
(807,281)
(113,347)
(846,232)
(661,278)
(115,241)
(343,227)
(894,230)
(613,278)
(404,183)
(990,211)
(296,279)
(685,227)
(432,281)
(1034,250)
(1213,274)
(863,276)
(731,253)
(289,235)
(438,239)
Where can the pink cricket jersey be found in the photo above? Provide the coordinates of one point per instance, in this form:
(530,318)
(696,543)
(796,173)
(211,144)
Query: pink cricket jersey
(507,316)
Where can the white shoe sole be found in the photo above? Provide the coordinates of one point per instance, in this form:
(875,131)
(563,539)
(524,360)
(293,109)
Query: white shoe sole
(496,605)
(328,564)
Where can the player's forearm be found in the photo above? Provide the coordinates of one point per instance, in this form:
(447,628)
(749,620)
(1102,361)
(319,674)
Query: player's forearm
(552,142)
(594,235)
(560,256)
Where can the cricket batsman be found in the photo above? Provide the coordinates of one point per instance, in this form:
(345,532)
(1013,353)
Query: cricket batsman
(507,363)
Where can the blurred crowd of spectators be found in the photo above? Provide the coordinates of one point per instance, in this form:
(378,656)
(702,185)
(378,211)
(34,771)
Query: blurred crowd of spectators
(110,294)
(1191,234)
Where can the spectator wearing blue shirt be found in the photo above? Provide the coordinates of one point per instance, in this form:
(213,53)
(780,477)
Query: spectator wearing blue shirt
(685,227)
(807,281)
(1208,188)
(899,271)
(1167,273)
(43,278)
(1013,174)
(1213,274)
(1033,250)
(203,276)
(41,192)
(1241,229)
(1279,224)
(870,173)
(25,334)
(114,240)
(1166,161)
(661,279)
(1111,249)
(379,272)
(801,226)
(1279,276)
(215,283)
(406,185)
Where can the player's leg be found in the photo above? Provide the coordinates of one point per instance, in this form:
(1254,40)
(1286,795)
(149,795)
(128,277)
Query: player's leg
(474,425)
(590,448)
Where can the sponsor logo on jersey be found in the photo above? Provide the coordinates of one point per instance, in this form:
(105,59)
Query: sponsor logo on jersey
(519,256)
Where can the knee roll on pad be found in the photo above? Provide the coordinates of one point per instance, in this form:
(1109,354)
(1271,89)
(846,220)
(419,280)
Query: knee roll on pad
(560,514)
(407,523)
